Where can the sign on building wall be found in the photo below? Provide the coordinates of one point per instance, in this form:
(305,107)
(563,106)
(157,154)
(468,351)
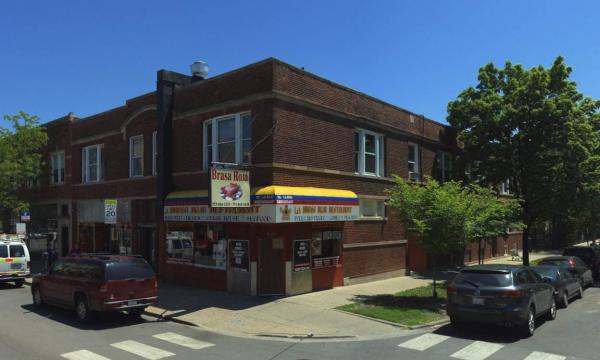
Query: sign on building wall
(25,216)
(301,255)
(229,188)
(21,229)
(238,255)
(110,211)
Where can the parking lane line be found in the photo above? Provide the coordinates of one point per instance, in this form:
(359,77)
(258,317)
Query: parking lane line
(538,355)
(183,341)
(83,355)
(143,350)
(478,350)
(424,342)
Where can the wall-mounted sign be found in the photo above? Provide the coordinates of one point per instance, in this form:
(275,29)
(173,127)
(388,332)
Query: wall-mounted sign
(238,255)
(301,255)
(229,188)
(110,211)
(25,216)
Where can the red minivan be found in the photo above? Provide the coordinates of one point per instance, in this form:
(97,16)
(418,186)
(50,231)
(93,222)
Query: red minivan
(94,283)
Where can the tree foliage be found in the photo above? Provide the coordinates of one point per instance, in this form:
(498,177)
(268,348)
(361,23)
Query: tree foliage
(20,157)
(533,128)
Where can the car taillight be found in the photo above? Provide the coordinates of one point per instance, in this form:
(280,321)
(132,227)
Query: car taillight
(571,263)
(512,294)
(103,288)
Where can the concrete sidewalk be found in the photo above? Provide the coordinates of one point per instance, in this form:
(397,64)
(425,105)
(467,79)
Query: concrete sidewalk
(295,316)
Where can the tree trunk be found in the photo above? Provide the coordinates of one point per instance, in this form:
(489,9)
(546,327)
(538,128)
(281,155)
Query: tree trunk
(483,251)
(479,251)
(526,245)
(433,263)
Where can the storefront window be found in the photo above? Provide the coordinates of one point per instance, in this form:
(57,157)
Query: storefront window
(325,248)
(205,246)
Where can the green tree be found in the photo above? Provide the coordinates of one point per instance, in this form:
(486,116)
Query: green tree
(489,216)
(435,214)
(20,158)
(531,127)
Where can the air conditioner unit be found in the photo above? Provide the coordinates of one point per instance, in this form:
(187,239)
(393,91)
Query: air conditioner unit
(413,176)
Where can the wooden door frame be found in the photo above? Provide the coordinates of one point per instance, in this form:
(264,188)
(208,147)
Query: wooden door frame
(260,239)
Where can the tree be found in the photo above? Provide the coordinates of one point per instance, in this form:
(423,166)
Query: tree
(489,216)
(20,158)
(531,127)
(435,214)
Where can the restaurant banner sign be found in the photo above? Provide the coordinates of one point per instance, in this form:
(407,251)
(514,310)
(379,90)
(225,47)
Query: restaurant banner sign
(229,188)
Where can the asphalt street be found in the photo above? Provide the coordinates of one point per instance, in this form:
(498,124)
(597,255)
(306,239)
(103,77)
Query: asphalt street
(28,333)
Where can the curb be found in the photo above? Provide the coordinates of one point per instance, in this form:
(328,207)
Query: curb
(406,327)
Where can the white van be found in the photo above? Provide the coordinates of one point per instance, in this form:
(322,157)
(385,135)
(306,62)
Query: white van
(15,263)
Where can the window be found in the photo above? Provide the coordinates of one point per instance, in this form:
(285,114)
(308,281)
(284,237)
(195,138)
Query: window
(57,166)
(444,166)
(368,153)
(372,208)
(91,163)
(228,139)
(3,251)
(136,156)
(325,248)
(413,162)
(504,187)
(154,153)
(17,251)
(205,246)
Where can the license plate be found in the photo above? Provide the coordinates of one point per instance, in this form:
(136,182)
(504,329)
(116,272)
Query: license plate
(478,301)
(131,303)
(15,266)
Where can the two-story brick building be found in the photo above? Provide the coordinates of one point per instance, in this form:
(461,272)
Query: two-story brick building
(319,155)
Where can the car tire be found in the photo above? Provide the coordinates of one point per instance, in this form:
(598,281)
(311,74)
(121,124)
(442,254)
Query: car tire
(82,310)
(528,329)
(551,315)
(565,300)
(36,294)
(580,293)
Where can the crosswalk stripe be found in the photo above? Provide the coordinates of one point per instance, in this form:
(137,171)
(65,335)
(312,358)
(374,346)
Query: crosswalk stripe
(423,342)
(83,355)
(538,355)
(143,350)
(183,341)
(478,350)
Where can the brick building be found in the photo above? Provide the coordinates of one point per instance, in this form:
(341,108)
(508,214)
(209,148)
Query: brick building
(319,157)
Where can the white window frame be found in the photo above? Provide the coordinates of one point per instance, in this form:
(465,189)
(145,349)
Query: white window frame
(379,153)
(380,209)
(57,156)
(414,175)
(132,139)
(154,153)
(504,188)
(442,165)
(85,176)
(214,135)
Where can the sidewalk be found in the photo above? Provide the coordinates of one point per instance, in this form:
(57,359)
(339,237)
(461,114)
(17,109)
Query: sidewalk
(295,316)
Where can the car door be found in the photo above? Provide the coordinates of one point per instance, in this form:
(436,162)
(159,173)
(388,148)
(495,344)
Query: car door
(525,285)
(543,292)
(49,281)
(571,283)
(4,266)
(68,282)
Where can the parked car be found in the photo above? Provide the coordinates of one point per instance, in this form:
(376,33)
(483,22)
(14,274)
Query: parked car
(566,286)
(95,283)
(574,264)
(15,263)
(507,295)
(589,255)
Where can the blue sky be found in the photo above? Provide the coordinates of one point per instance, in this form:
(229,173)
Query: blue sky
(90,56)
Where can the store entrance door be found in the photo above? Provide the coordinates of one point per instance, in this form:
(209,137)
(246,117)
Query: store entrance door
(271,267)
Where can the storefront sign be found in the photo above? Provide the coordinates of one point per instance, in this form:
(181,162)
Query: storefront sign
(110,211)
(301,255)
(238,255)
(229,188)
(25,216)
(21,229)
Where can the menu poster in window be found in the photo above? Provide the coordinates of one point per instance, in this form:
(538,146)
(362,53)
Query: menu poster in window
(317,245)
(301,255)
(238,255)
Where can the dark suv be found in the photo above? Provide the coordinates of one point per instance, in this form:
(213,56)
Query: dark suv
(589,255)
(92,282)
(500,294)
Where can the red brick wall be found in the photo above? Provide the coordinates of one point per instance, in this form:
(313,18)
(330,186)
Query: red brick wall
(374,260)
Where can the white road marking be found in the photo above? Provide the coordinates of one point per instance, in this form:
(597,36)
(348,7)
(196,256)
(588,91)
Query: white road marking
(478,350)
(538,355)
(145,351)
(183,341)
(83,355)
(423,342)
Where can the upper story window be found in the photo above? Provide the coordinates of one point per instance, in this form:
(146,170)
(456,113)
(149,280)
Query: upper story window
(414,167)
(136,156)
(443,166)
(92,169)
(57,167)
(154,153)
(228,139)
(368,153)
(504,187)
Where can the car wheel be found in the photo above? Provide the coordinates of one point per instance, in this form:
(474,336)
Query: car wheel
(529,326)
(36,294)
(580,293)
(82,309)
(565,300)
(552,312)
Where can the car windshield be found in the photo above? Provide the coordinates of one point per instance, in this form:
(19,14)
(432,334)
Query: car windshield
(3,251)
(556,262)
(128,269)
(17,251)
(481,278)
(581,253)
